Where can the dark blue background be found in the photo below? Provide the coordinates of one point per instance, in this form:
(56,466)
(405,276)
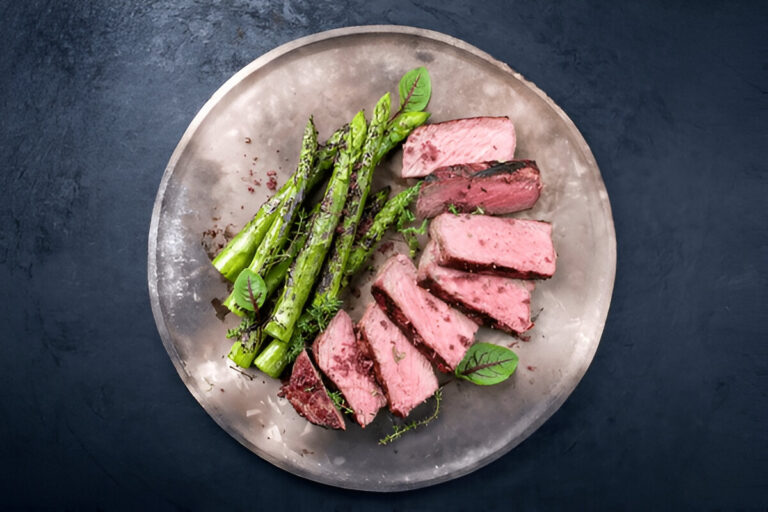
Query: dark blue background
(672,98)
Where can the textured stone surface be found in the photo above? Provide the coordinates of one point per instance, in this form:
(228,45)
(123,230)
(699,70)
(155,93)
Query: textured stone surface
(672,100)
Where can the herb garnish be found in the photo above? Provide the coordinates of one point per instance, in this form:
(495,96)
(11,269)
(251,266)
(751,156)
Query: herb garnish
(250,291)
(399,430)
(340,402)
(486,364)
(452,208)
(415,89)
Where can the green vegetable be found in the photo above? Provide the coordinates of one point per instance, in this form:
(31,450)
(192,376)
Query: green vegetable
(333,272)
(302,276)
(338,400)
(399,430)
(277,235)
(398,129)
(250,291)
(410,234)
(238,253)
(249,339)
(388,215)
(372,208)
(452,208)
(486,364)
(415,89)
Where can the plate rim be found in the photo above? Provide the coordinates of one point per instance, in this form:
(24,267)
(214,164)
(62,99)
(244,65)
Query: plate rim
(212,410)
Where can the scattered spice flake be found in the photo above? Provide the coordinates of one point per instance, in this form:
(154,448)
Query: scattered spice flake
(272,183)
(213,241)
(247,140)
(251,189)
(272,173)
(255,158)
(531,368)
(513,344)
(385,247)
(356,292)
(257,183)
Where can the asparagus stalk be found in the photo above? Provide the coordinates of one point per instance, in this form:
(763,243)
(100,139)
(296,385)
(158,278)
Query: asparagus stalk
(381,223)
(330,281)
(302,276)
(398,129)
(238,253)
(277,234)
(244,350)
(374,206)
(279,353)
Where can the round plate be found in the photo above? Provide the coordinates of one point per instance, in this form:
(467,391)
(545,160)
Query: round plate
(208,183)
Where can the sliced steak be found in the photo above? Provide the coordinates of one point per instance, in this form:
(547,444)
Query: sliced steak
(496,245)
(307,394)
(404,373)
(497,188)
(439,331)
(476,139)
(499,302)
(341,360)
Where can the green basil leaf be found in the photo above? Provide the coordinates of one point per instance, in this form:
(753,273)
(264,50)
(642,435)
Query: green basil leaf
(415,89)
(486,364)
(250,291)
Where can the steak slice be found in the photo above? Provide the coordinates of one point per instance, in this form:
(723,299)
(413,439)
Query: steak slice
(475,139)
(495,245)
(404,373)
(498,302)
(497,188)
(307,394)
(340,359)
(439,331)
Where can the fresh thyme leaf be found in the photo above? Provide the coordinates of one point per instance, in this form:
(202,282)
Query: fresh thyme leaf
(249,291)
(478,211)
(410,234)
(339,402)
(399,430)
(486,364)
(452,208)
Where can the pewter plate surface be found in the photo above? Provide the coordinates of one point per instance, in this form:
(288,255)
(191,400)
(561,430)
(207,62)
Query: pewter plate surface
(331,75)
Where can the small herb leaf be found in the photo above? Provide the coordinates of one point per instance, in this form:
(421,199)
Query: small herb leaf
(250,291)
(415,89)
(486,364)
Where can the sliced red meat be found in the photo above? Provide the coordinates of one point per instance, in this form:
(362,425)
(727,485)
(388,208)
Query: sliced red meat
(404,373)
(475,139)
(499,302)
(341,360)
(307,394)
(495,245)
(439,331)
(497,188)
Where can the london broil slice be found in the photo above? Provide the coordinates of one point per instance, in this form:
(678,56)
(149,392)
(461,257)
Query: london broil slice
(475,139)
(307,394)
(495,245)
(497,188)
(498,302)
(439,331)
(405,375)
(341,360)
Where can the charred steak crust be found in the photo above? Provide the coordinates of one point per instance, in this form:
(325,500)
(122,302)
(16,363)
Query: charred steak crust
(471,243)
(307,394)
(338,356)
(495,187)
(476,315)
(404,374)
(398,318)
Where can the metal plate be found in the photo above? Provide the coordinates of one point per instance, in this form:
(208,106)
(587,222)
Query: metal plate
(331,75)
